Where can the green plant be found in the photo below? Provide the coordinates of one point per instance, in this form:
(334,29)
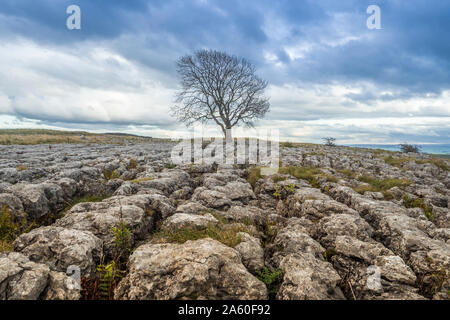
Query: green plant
(139,180)
(94,198)
(379,185)
(272,278)
(287,144)
(328,177)
(290,188)
(440,163)
(229,236)
(110,174)
(397,162)
(328,254)
(108,275)
(122,241)
(418,203)
(277,193)
(270,232)
(169,165)
(348,173)
(9,229)
(305,173)
(277,178)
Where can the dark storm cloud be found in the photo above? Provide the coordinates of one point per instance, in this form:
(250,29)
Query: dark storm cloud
(302,44)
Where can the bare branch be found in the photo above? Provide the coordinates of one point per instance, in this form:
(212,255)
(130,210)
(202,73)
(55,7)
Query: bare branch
(220,88)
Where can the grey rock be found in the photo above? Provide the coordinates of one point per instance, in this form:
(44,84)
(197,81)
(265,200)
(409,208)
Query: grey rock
(204,269)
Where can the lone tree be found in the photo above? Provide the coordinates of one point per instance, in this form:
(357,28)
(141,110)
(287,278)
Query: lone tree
(330,141)
(406,148)
(219,87)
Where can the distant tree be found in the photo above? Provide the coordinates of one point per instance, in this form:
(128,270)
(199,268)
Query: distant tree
(406,148)
(329,141)
(220,88)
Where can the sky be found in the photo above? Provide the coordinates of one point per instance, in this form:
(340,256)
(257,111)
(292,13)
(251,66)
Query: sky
(328,74)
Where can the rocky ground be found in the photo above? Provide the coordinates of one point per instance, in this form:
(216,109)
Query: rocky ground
(334,223)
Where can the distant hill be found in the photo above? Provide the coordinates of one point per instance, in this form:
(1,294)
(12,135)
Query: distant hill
(45,136)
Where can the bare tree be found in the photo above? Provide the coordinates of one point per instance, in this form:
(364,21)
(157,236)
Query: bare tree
(221,88)
(329,141)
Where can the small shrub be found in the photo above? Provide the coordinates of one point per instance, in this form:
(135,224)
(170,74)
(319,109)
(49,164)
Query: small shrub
(21,168)
(122,241)
(407,148)
(109,276)
(272,278)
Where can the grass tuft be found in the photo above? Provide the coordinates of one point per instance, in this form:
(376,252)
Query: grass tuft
(228,236)
(254,176)
(380,185)
(139,180)
(21,168)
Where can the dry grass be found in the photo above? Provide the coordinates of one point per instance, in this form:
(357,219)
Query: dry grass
(380,185)
(254,176)
(41,136)
(348,173)
(139,180)
(6,246)
(228,236)
(399,162)
(21,168)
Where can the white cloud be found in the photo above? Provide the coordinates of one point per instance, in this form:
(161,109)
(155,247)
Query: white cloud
(86,84)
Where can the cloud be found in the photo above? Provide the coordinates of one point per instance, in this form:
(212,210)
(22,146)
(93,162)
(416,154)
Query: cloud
(99,86)
(323,65)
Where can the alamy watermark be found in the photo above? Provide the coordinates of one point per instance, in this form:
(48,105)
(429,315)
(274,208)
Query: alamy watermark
(373,281)
(73,22)
(73,281)
(374,20)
